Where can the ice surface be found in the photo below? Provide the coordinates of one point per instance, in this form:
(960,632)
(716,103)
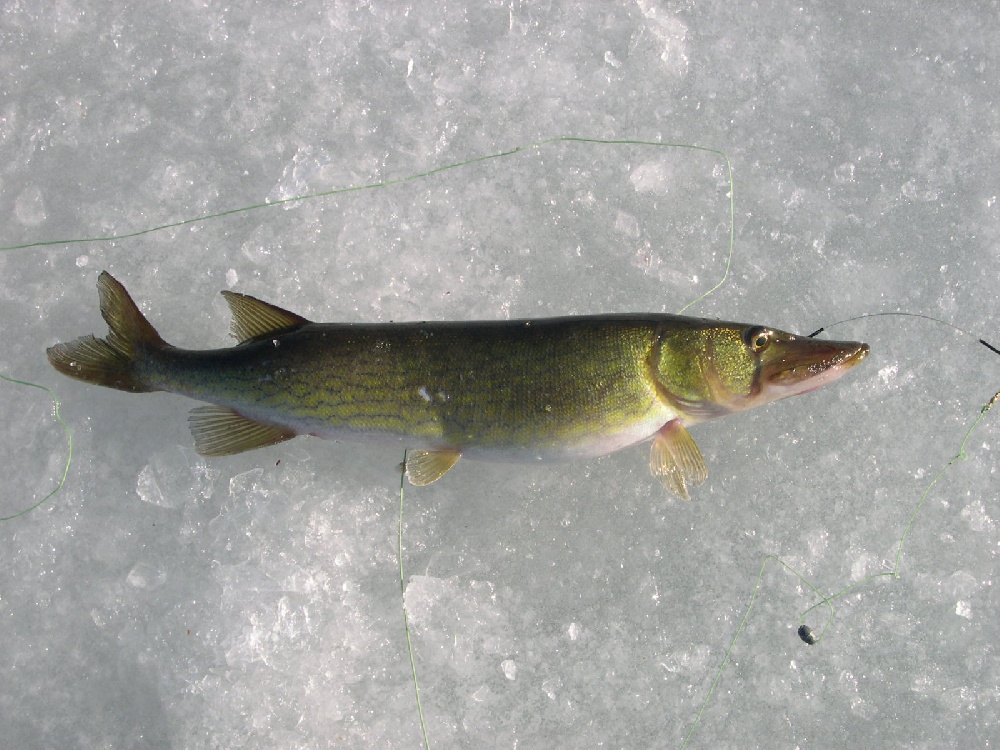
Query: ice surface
(162,600)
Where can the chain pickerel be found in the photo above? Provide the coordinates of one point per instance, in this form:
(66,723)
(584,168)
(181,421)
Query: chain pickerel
(516,390)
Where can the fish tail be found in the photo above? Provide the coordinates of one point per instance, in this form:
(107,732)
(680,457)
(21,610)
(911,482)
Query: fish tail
(111,361)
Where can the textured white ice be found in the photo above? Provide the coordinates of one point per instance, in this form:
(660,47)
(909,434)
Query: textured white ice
(161,600)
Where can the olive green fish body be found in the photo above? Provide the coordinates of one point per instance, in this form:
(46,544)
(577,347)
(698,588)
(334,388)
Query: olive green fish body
(514,390)
(520,389)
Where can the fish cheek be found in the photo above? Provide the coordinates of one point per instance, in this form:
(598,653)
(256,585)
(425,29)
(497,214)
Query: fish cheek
(679,370)
(736,368)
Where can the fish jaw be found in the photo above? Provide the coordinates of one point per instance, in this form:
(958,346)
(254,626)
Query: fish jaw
(795,365)
(708,369)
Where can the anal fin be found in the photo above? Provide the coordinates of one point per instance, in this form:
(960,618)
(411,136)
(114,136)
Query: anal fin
(676,461)
(424,467)
(221,431)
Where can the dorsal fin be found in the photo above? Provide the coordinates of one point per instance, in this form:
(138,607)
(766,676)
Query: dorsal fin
(253,317)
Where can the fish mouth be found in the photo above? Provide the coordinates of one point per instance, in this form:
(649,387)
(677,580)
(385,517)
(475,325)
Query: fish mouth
(799,365)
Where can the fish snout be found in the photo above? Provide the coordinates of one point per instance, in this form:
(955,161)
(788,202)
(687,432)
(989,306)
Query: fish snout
(800,365)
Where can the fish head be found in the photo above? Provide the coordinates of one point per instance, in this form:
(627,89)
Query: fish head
(710,368)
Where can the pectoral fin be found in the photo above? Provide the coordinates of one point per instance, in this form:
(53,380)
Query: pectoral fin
(676,461)
(424,467)
(220,431)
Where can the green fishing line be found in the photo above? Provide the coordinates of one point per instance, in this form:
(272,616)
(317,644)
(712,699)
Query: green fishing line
(69,446)
(406,619)
(804,631)
(420,175)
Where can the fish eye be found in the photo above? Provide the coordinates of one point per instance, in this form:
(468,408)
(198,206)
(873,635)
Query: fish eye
(757,339)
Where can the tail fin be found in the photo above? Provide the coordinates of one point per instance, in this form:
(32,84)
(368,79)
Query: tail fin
(110,361)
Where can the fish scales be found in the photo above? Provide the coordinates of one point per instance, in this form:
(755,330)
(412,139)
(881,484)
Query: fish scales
(523,390)
(498,385)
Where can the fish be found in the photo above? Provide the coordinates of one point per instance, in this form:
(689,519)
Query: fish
(531,390)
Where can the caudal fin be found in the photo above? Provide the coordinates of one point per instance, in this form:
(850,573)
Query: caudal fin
(110,361)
